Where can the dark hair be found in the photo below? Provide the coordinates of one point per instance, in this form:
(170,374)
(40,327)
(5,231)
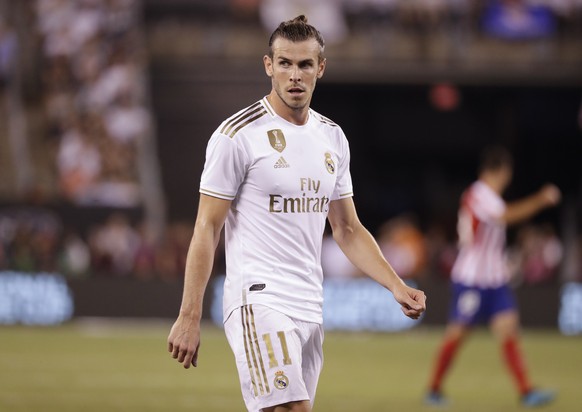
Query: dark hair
(297,30)
(495,157)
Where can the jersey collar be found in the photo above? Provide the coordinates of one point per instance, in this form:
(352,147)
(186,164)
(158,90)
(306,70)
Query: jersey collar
(268,106)
(271,111)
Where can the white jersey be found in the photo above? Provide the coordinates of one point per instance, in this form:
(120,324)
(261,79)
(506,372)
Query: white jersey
(481,259)
(281,178)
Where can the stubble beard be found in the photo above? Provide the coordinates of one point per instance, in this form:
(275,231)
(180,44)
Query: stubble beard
(298,106)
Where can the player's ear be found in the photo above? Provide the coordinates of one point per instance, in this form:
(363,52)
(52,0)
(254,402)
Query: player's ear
(268,62)
(321,68)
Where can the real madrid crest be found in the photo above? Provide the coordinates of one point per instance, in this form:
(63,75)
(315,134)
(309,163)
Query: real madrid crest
(277,139)
(329,164)
(281,381)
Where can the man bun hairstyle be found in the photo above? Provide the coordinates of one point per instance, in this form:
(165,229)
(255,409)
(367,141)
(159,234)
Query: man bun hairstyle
(297,30)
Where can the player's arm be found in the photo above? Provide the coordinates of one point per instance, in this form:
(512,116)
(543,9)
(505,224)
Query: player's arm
(520,210)
(184,338)
(362,250)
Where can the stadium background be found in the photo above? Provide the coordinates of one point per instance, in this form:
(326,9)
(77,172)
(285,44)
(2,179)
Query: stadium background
(106,108)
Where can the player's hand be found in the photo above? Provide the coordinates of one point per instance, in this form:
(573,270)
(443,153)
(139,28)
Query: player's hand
(412,301)
(184,342)
(550,195)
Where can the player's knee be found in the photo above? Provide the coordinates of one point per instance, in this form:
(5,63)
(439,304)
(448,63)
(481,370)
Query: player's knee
(505,325)
(457,332)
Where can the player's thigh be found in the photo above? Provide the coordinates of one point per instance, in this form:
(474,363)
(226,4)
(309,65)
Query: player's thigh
(503,314)
(466,306)
(457,331)
(301,406)
(268,353)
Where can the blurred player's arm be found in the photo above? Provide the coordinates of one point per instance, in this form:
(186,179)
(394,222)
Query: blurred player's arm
(362,250)
(184,338)
(520,210)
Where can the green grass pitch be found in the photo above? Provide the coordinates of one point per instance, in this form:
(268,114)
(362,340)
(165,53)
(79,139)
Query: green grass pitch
(123,366)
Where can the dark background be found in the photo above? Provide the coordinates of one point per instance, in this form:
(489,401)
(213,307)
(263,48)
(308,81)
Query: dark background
(407,155)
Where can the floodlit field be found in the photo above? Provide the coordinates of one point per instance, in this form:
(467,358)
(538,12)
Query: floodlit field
(124,366)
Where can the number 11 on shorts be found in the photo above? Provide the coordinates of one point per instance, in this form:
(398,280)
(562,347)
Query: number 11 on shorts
(283,340)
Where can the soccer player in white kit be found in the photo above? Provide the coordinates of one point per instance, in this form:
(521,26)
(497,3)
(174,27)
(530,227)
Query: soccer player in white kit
(480,278)
(274,172)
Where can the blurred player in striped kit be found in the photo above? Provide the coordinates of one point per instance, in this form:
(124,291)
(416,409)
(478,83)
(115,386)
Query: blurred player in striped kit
(480,277)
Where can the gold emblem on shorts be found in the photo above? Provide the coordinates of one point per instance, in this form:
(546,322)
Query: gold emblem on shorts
(329,164)
(277,139)
(280,381)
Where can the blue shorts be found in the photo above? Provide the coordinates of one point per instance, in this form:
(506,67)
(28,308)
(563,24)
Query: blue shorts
(472,305)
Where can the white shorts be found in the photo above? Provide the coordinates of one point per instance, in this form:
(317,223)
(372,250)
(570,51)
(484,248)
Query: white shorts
(279,359)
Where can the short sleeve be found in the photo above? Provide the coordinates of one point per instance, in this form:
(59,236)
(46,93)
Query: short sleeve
(485,204)
(225,167)
(343,187)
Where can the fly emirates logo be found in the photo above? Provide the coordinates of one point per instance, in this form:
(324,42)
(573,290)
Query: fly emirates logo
(308,202)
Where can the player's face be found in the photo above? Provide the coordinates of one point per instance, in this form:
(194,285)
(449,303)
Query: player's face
(294,70)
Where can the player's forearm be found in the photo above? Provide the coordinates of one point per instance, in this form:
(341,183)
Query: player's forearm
(521,210)
(197,272)
(362,250)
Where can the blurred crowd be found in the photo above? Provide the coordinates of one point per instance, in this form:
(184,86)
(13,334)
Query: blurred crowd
(35,239)
(93,79)
(7,52)
(404,27)
(510,19)
(535,255)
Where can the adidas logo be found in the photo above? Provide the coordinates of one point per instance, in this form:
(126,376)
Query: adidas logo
(281,163)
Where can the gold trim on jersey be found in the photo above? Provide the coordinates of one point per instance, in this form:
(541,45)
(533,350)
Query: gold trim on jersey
(252,119)
(325,120)
(233,120)
(251,114)
(268,106)
(216,194)
(347,194)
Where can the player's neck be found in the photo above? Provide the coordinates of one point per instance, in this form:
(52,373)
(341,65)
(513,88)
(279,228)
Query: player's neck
(491,181)
(298,117)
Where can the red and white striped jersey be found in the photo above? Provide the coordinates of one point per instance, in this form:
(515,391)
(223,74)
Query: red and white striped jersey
(481,259)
